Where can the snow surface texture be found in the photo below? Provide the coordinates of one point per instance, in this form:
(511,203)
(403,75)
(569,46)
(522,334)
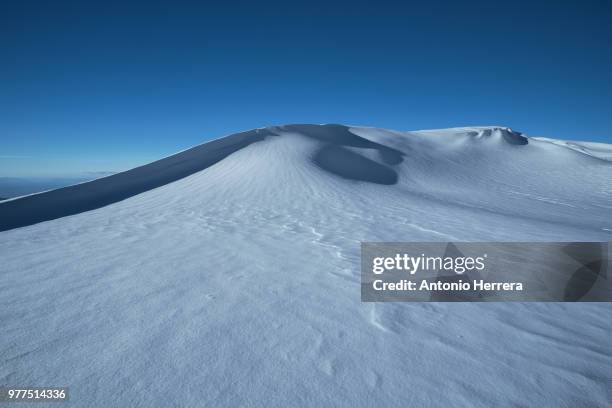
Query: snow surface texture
(228,274)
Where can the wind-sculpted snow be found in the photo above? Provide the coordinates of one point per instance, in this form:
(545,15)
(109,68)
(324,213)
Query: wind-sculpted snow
(351,165)
(228,274)
(507,135)
(104,191)
(334,156)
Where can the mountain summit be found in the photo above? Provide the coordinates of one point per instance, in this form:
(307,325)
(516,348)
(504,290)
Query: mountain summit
(448,166)
(228,274)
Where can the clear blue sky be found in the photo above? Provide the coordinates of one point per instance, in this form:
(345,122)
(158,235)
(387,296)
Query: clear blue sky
(103,86)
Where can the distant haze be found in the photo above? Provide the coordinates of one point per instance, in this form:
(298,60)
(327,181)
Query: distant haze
(18,186)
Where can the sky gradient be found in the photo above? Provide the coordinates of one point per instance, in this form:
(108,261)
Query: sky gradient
(95,87)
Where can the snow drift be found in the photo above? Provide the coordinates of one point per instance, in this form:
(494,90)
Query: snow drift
(227,274)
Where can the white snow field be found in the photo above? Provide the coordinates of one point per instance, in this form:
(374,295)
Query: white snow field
(227,275)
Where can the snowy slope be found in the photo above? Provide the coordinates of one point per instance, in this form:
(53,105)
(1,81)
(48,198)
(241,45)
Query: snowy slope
(227,274)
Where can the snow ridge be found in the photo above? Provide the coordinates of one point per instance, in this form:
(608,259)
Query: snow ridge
(228,274)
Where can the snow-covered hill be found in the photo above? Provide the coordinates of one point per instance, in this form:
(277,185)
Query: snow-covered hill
(228,274)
